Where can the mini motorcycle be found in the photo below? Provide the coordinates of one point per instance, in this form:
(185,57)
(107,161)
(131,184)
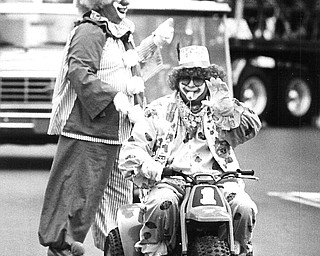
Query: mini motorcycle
(206,227)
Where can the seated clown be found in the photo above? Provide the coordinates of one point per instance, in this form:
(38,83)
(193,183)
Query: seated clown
(194,129)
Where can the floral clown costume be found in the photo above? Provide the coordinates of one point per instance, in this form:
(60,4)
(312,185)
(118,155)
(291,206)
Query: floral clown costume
(194,129)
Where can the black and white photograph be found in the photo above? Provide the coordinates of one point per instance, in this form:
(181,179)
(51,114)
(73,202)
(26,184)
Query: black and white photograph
(150,128)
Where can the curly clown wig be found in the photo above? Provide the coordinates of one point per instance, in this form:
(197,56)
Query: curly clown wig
(205,73)
(194,61)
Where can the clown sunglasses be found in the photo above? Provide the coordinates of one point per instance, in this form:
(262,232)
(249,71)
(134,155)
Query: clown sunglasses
(197,81)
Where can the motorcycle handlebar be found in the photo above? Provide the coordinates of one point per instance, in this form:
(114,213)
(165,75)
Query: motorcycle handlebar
(246,172)
(167,171)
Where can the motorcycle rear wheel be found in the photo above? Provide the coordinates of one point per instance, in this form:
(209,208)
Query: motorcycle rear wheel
(208,246)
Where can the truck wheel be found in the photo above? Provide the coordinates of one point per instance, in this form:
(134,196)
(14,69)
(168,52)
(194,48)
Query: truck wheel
(252,90)
(113,246)
(298,99)
(295,101)
(208,246)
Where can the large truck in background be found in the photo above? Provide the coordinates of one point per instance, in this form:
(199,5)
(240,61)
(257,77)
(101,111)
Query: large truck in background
(33,34)
(275,54)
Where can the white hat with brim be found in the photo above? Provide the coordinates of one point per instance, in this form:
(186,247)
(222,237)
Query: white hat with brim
(194,56)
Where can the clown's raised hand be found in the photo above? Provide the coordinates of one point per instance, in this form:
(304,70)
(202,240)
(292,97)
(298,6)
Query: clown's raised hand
(220,98)
(164,33)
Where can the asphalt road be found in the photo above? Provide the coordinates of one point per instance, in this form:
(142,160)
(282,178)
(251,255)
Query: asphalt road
(287,194)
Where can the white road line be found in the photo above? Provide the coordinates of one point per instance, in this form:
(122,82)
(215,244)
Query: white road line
(307,198)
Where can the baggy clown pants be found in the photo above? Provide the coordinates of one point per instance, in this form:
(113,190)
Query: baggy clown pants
(160,215)
(78,177)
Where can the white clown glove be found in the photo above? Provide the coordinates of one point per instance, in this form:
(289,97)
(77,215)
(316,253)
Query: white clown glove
(77,248)
(135,114)
(220,98)
(135,85)
(152,169)
(164,33)
(121,103)
(130,58)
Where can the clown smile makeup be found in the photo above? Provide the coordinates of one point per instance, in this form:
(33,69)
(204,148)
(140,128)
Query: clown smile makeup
(121,10)
(193,89)
(116,11)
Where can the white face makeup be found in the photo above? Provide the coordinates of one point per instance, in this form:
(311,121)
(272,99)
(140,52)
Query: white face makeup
(121,9)
(116,11)
(192,88)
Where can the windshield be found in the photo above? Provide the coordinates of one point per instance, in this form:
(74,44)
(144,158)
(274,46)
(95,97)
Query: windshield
(34,30)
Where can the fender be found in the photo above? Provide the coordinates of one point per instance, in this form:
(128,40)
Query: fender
(206,203)
(129,227)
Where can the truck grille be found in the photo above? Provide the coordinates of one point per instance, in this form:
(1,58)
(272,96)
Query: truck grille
(26,90)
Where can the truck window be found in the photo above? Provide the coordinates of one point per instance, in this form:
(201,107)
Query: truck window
(34,30)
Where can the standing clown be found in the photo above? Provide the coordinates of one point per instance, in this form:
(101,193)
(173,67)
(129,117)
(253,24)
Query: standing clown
(93,112)
(194,130)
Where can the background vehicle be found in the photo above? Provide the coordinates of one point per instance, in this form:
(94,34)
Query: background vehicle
(32,37)
(205,219)
(275,51)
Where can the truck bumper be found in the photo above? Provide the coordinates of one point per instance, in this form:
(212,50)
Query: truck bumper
(30,128)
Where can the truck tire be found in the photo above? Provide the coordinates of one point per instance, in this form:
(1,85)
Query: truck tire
(252,90)
(208,246)
(113,245)
(295,100)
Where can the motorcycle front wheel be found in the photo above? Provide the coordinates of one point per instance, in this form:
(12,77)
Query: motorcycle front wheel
(113,246)
(208,246)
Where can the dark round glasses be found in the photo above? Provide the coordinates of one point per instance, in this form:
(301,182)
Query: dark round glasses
(197,81)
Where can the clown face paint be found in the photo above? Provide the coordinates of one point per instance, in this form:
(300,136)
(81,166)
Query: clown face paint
(116,11)
(192,88)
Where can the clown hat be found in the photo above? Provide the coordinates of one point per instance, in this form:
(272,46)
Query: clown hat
(193,59)
(193,56)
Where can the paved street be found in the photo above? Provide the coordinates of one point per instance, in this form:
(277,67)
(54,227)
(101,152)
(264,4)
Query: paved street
(287,194)
(287,161)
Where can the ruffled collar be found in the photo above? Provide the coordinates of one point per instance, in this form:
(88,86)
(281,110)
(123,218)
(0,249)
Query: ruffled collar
(117,30)
(192,121)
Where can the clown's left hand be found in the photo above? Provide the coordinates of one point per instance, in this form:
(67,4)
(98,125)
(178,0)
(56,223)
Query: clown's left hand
(152,169)
(135,114)
(131,58)
(135,85)
(164,33)
(220,98)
